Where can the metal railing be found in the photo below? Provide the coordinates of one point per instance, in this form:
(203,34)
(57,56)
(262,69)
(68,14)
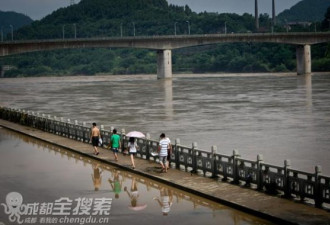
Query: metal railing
(254,174)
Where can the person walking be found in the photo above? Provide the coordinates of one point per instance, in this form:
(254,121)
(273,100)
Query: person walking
(95,135)
(132,147)
(115,143)
(163,152)
(169,153)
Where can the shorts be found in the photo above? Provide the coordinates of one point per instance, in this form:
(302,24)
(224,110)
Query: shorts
(132,153)
(163,159)
(115,150)
(95,141)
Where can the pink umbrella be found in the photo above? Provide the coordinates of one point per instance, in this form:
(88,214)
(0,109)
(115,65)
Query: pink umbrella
(136,134)
(138,207)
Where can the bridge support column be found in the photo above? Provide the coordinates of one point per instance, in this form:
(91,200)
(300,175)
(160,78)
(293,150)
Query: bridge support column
(164,64)
(2,73)
(304,59)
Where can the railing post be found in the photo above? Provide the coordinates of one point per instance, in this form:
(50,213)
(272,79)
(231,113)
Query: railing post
(259,174)
(76,129)
(122,139)
(147,146)
(177,153)
(287,188)
(194,158)
(102,129)
(235,167)
(55,125)
(317,187)
(85,136)
(214,169)
(68,128)
(110,134)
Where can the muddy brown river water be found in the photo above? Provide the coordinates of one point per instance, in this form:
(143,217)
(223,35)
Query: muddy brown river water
(282,116)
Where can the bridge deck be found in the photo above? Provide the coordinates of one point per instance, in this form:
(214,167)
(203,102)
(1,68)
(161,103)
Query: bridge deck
(273,208)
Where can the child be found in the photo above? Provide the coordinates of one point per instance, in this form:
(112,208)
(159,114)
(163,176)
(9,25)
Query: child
(132,146)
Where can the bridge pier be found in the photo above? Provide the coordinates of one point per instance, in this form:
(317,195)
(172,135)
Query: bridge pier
(304,59)
(2,73)
(164,64)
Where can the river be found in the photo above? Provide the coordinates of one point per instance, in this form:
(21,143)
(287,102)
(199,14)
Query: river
(281,116)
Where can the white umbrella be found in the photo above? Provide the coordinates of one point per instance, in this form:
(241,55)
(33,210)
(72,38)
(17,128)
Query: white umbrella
(136,134)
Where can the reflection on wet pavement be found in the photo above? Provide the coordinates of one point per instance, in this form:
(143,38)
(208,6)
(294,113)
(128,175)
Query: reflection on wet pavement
(43,172)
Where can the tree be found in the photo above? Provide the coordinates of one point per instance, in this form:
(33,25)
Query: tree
(325,25)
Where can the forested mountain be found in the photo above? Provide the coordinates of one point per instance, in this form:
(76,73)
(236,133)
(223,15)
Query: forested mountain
(305,11)
(113,18)
(94,18)
(17,20)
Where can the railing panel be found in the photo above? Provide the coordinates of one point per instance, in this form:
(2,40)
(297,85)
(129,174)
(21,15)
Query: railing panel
(325,188)
(224,166)
(273,175)
(247,170)
(302,183)
(185,156)
(204,161)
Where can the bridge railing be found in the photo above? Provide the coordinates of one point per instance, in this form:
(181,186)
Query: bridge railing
(278,180)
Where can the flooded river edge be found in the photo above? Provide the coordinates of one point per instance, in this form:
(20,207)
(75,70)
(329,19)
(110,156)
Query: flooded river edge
(281,116)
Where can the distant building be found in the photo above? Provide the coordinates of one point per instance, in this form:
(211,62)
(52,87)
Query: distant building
(289,25)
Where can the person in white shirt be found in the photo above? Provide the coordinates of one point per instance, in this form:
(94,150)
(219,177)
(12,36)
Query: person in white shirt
(162,151)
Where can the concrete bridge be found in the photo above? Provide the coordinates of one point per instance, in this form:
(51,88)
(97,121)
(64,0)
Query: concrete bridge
(164,45)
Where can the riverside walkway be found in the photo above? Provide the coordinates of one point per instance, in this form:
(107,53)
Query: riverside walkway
(273,208)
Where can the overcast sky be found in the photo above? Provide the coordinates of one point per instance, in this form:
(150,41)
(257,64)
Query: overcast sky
(37,9)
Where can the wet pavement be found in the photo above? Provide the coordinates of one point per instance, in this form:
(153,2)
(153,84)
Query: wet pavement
(272,208)
(43,173)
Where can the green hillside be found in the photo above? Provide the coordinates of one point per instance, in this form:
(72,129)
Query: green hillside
(107,18)
(96,18)
(17,20)
(305,11)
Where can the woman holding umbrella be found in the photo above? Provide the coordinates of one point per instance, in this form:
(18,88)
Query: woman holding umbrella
(132,146)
